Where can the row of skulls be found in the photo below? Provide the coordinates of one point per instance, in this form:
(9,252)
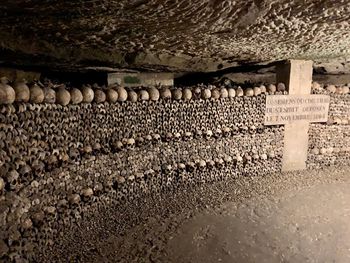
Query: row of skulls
(320,88)
(38,93)
(331,150)
(342,120)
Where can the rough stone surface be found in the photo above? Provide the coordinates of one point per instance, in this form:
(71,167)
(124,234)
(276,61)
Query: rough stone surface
(293,225)
(178,35)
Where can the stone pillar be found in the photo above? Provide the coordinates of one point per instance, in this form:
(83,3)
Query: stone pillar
(297,75)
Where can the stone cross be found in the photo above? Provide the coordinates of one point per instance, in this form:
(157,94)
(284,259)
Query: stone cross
(296,111)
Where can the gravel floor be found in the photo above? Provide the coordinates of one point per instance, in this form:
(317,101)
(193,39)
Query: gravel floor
(291,217)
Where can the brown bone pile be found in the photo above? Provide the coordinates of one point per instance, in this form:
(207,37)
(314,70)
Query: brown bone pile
(329,143)
(64,150)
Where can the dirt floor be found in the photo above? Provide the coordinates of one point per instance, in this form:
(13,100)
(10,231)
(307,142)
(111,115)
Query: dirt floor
(292,217)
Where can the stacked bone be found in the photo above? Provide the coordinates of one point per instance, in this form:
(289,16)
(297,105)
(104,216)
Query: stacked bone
(71,191)
(329,143)
(319,88)
(60,94)
(62,152)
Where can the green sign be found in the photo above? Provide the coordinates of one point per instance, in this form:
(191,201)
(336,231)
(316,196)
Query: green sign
(132,80)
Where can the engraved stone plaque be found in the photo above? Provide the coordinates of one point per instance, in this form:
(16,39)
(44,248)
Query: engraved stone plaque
(286,109)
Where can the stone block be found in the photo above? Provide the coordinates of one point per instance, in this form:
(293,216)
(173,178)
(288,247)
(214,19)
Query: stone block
(141,79)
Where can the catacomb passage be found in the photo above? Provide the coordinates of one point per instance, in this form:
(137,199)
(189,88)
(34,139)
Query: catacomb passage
(139,131)
(67,152)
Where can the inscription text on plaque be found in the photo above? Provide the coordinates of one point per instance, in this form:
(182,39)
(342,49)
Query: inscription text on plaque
(285,109)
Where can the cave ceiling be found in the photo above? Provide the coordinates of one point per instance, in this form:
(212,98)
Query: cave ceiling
(174,35)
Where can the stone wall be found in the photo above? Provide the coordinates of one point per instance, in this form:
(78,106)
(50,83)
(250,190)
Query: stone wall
(59,159)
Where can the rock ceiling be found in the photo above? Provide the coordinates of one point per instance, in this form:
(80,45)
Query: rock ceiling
(178,35)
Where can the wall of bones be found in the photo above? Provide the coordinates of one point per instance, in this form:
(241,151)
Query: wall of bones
(63,150)
(329,143)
